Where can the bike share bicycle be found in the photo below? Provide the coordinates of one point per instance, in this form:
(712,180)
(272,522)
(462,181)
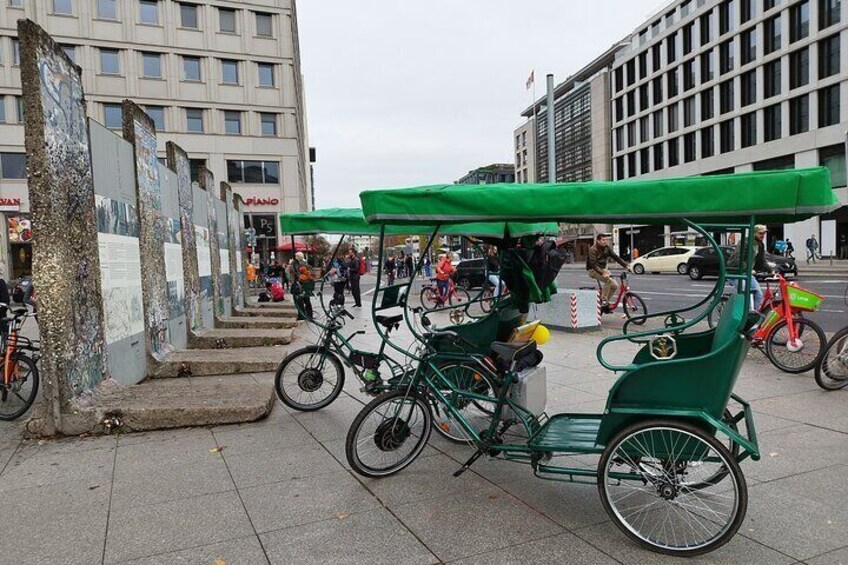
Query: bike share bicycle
(669,447)
(18,366)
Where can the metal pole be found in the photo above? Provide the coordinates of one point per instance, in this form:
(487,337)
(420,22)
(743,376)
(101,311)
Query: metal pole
(551,136)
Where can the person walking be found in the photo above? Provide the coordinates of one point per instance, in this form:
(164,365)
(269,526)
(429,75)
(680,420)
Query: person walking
(302,274)
(355,266)
(337,275)
(409,265)
(251,275)
(843,247)
(444,270)
(596,267)
(812,246)
(427,273)
(400,264)
(389,267)
(790,249)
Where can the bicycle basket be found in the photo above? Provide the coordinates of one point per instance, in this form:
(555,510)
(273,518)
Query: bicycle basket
(365,360)
(801,299)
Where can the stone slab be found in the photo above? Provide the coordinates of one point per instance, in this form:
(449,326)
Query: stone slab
(154,405)
(205,362)
(220,338)
(274,309)
(256,322)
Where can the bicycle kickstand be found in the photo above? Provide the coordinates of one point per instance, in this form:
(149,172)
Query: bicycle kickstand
(468,463)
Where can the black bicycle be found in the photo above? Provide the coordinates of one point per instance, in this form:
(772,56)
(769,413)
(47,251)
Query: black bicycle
(832,370)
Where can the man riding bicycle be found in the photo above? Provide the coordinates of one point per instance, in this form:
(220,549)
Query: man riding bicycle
(760,263)
(596,266)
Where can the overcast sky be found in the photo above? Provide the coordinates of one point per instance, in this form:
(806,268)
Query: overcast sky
(412,92)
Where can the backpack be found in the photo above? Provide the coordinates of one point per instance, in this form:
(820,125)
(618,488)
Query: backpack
(18,294)
(546,262)
(362,266)
(264,297)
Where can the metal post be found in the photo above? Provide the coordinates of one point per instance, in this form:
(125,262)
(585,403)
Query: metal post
(551,136)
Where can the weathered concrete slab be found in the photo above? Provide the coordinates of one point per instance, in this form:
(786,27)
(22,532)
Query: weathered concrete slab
(256,322)
(172,403)
(204,362)
(227,338)
(275,310)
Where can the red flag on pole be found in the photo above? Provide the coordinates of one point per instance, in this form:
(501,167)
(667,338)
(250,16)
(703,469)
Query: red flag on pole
(531,79)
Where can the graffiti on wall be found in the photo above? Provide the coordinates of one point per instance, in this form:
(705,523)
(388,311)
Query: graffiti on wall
(234,231)
(207,182)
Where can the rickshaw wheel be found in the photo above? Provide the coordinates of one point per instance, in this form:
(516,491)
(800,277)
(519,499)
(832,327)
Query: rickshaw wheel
(653,493)
(309,379)
(389,433)
(476,413)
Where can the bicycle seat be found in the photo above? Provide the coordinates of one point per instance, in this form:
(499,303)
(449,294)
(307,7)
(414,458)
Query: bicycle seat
(513,351)
(389,321)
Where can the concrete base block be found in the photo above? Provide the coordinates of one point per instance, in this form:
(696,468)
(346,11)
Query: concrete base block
(255,322)
(153,405)
(204,362)
(284,311)
(227,338)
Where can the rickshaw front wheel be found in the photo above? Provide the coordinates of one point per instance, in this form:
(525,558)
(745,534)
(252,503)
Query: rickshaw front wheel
(309,379)
(655,482)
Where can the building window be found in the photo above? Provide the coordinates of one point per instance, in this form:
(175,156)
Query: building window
(673,155)
(152,65)
(726,134)
(645,161)
(269,124)
(194,120)
(13,165)
(658,123)
(829,56)
(706,28)
(726,56)
(687,38)
(688,75)
(673,123)
(726,16)
(157,114)
(232,122)
(71,52)
(619,79)
(773,122)
(107,9)
(16,3)
(191,69)
(689,147)
(631,104)
(644,101)
(707,67)
(253,172)
(619,168)
(671,48)
(769,4)
(148,12)
(707,104)
(749,46)
(631,72)
(63,7)
(619,109)
(644,132)
(748,84)
(707,142)
(829,12)
(658,157)
(631,164)
(226,20)
(194,166)
(619,139)
(829,106)
(643,65)
(799,21)
(749,129)
(656,57)
(799,68)
(264,25)
(113,116)
(688,111)
(229,71)
(777,164)
(188,16)
(771,79)
(833,158)
(685,8)
(771,34)
(631,134)
(16,52)
(672,82)
(2,109)
(19,108)
(266,74)
(746,10)
(110,62)
(725,96)
(799,115)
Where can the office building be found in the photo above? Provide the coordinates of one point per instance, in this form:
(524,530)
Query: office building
(496,172)
(220,78)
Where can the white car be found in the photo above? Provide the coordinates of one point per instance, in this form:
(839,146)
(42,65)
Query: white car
(664,260)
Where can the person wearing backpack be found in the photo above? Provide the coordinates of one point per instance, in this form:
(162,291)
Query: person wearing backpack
(337,276)
(355,266)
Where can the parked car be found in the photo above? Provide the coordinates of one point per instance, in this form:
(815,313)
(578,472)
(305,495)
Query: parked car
(470,273)
(664,260)
(704,263)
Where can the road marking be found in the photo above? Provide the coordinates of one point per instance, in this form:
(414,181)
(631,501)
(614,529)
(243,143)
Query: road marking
(831,311)
(368,291)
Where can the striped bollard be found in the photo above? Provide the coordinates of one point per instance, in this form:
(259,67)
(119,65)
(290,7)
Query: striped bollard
(599,307)
(574,310)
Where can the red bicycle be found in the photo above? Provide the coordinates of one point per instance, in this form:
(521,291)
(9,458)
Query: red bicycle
(432,298)
(19,385)
(632,304)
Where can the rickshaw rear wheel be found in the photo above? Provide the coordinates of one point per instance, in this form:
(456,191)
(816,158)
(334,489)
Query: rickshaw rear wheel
(476,413)
(654,495)
(302,376)
(389,433)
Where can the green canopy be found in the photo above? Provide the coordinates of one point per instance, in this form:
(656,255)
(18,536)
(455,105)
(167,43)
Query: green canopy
(771,196)
(351,221)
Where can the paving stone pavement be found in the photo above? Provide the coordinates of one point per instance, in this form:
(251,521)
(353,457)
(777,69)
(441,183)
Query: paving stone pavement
(279,491)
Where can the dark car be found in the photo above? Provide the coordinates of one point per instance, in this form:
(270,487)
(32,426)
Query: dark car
(470,273)
(704,263)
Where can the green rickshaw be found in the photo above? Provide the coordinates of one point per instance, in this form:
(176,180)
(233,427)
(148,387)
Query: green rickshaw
(669,443)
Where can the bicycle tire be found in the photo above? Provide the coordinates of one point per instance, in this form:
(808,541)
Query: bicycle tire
(429,299)
(27,399)
(284,395)
(632,303)
(810,330)
(466,376)
(487,301)
(459,297)
(826,375)
(715,314)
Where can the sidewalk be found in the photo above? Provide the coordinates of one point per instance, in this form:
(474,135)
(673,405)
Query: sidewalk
(279,491)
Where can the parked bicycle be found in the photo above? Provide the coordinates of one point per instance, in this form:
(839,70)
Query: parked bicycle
(832,370)
(19,386)
(433,299)
(793,343)
(631,303)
